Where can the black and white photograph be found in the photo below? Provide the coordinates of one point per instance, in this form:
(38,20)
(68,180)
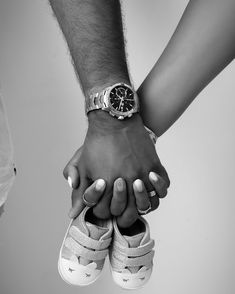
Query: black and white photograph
(117,139)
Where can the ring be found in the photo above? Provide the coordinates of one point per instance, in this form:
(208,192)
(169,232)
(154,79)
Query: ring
(152,193)
(142,212)
(87,203)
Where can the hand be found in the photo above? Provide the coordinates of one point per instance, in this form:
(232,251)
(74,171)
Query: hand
(119,199)
(114,149)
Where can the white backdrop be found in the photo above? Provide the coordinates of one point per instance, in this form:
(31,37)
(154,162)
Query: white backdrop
(193,226)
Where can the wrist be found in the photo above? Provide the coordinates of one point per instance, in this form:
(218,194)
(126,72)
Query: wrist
(98,86)
(102,120)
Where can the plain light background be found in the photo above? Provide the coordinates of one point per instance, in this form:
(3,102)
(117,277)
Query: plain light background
(194,225)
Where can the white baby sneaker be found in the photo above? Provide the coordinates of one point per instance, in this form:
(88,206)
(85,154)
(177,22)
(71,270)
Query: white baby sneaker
(84,249)
(131,255)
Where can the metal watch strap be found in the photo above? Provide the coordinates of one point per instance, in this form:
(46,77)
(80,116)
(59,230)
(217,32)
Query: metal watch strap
(100,100)
(95,101)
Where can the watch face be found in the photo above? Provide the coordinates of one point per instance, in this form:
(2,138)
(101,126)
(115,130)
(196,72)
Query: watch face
(122,98)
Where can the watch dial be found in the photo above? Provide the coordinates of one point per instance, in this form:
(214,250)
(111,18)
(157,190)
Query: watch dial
(122,98)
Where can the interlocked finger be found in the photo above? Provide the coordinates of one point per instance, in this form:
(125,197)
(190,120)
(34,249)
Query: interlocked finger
(143,202)
(159,184)
(119,199)
(93,193)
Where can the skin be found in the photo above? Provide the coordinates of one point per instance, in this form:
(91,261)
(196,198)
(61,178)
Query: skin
(202,45)
(94,34)
(145,160)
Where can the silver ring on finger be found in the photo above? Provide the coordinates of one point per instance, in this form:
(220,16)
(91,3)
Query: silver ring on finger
(143,212)
(152,193)
(87,203)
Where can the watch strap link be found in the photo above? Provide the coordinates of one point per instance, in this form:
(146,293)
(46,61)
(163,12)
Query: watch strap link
(95,101)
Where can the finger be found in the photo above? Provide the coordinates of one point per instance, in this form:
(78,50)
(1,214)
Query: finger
(94,192)
(154,202)
(102,209)
(119,199)
(143,198)
(77,202)
(141,195)
(73,177)
(130,214)
(147,184)
(163,173)
(159,184)
(71,172)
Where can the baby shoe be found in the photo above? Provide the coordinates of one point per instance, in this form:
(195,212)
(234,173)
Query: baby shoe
(131,255)
(84,249)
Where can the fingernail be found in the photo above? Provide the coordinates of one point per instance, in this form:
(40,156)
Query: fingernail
(120,185)
(100,184)
(139,185)
(70,182)
(153,176)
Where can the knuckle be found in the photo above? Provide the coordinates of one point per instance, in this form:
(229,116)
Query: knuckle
(135,173)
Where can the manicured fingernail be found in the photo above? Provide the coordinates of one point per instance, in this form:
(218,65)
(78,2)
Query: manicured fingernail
(139,185)
(120,185)
(70,182)
(153,176)
(100,184)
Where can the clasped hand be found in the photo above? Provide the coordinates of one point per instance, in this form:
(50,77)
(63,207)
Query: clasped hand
(123,155)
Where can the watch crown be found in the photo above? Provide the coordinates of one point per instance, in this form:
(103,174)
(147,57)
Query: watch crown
(121,117)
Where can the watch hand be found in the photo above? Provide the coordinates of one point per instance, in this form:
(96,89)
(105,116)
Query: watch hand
(120,104)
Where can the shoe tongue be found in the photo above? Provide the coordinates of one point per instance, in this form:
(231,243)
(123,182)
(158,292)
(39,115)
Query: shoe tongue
(95,231)
(134,241)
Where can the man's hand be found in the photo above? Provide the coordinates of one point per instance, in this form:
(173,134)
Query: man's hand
(114,149)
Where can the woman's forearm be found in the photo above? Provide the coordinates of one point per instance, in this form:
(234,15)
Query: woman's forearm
(200,48)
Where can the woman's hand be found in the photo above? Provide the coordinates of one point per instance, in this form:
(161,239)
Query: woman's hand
(118,204)
(143,200)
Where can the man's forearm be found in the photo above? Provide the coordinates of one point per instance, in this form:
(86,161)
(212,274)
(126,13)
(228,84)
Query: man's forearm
(94,33)
(202,45)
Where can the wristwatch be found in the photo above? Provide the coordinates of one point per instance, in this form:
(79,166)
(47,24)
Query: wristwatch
(119,100)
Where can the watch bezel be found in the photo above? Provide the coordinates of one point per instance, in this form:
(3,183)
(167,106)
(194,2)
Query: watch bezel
(119,114)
